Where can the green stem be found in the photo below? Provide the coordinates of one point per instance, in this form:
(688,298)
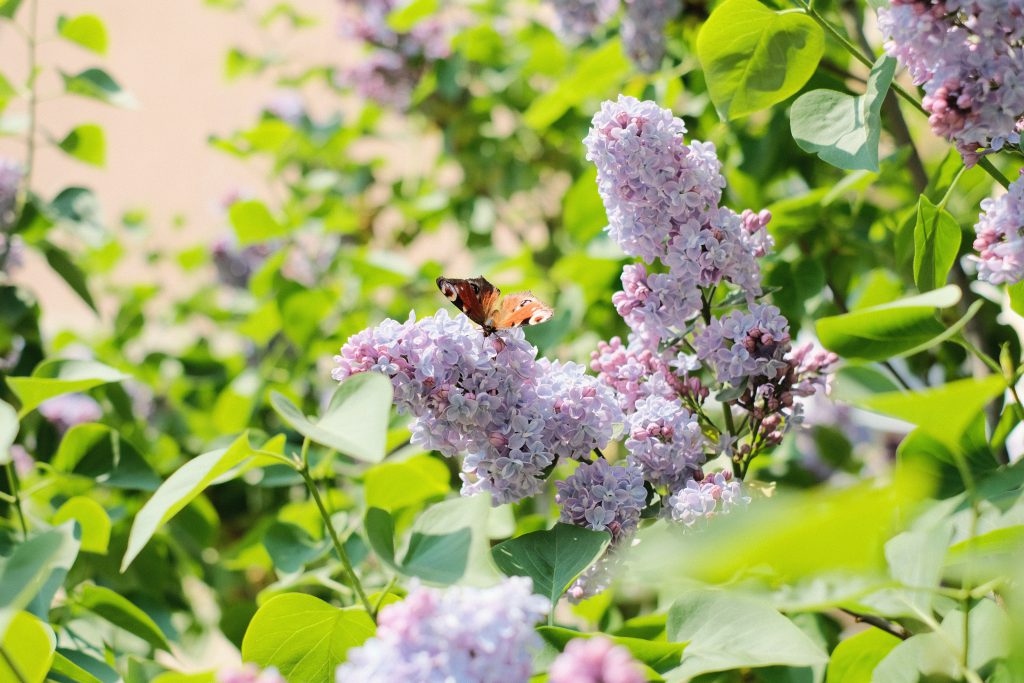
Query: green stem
(338,547)
(896,87)
(12,477)
(949,190)
(12,666)
(383,595)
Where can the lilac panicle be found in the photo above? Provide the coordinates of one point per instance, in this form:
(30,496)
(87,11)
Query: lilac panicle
(483,635)
(643,30)
(581,18)
(595,660)
(665,441)
(745,344)
(1000,237)
(603,497)
(491,398)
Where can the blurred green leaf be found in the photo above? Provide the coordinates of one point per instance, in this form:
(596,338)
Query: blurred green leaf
(120,612)
(26,570)
(902,327)
(355,422)
(841,129)
(405,17)
(75,278)
(754,57)
(86,143)
(253,222)
(86,30)
(28,646)
(727,631)
(439,558)
(395,485)
(64,666)
(596,75)
(8,8)
(291,547)
(98,451)
(8,431)
(97,84)
(178,491)
(303,637)
(855,658)
(93,520)
(936,245)
(552,558)
(60,376)
(582,210)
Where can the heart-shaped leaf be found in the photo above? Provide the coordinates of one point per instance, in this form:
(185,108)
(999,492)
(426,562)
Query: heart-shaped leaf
(841,129)
(937,239)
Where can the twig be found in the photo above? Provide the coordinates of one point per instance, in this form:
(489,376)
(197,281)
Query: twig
(12,478)
(889,627)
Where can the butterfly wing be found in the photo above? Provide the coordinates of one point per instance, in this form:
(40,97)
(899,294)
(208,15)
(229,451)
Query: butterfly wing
(521,308)
(476,297)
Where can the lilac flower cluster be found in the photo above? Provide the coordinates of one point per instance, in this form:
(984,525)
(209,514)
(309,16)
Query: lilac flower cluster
(665,441)
(969,56)
(741,344)
(595,660)
(643,30)
(10,182)
(700,500)
(68,410)
(250,673)
(491,398)
(603,497)
(484,635)
(395,60)
(1000,237)
(581,18)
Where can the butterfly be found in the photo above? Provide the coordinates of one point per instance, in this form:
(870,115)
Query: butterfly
(481,302)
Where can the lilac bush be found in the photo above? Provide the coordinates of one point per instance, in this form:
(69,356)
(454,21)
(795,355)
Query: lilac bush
(484,635)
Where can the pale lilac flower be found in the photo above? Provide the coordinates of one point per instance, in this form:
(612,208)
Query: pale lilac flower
(288,105)
(595,660)
(250,673)
(581,18)
(68,410)
(14,246)
(603,497)
(643,30)
(633,372)
(742,345)
(490,398)
(598,577)
(11,175)
(1000,237)
(665,441)
(700,500)
(23,462)
(969,57)
(476,635)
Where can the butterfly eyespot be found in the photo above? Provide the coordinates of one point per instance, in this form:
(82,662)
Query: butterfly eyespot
(540,317)
(475,286)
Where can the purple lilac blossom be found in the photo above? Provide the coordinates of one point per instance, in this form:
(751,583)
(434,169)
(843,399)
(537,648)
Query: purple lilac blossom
(700,500)
(66,411)
(595,660)
(634,371)
(491,398)
(23,462)
(10,182)
(483,635)
(969,57)
(603,497)
(579,19)
(665,441)
(643,30)
(1000,237)
(745,344)
(250,673)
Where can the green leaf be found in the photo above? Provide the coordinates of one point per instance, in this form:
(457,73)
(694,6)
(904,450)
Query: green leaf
(582,210)
(855,658)
(93,519)
(936,245)
(1016,293)
(304,637)
(86,143)
(8,431)
(407,15)
(98,452)
(62,264)
(553,558)
(355,422)
(597,75)
(754,57)
(944,412)
(844,130)
(438,558)
(291,547)
(97,84)
(180,489)
(86,30)
(253,222)
(120,612)
(915,559)
(395,485)
(60,376)
(8,8)
(659,655)
(25,572)
(68,668)
(29,645)
(727,631)
(899,328)
(79,207)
